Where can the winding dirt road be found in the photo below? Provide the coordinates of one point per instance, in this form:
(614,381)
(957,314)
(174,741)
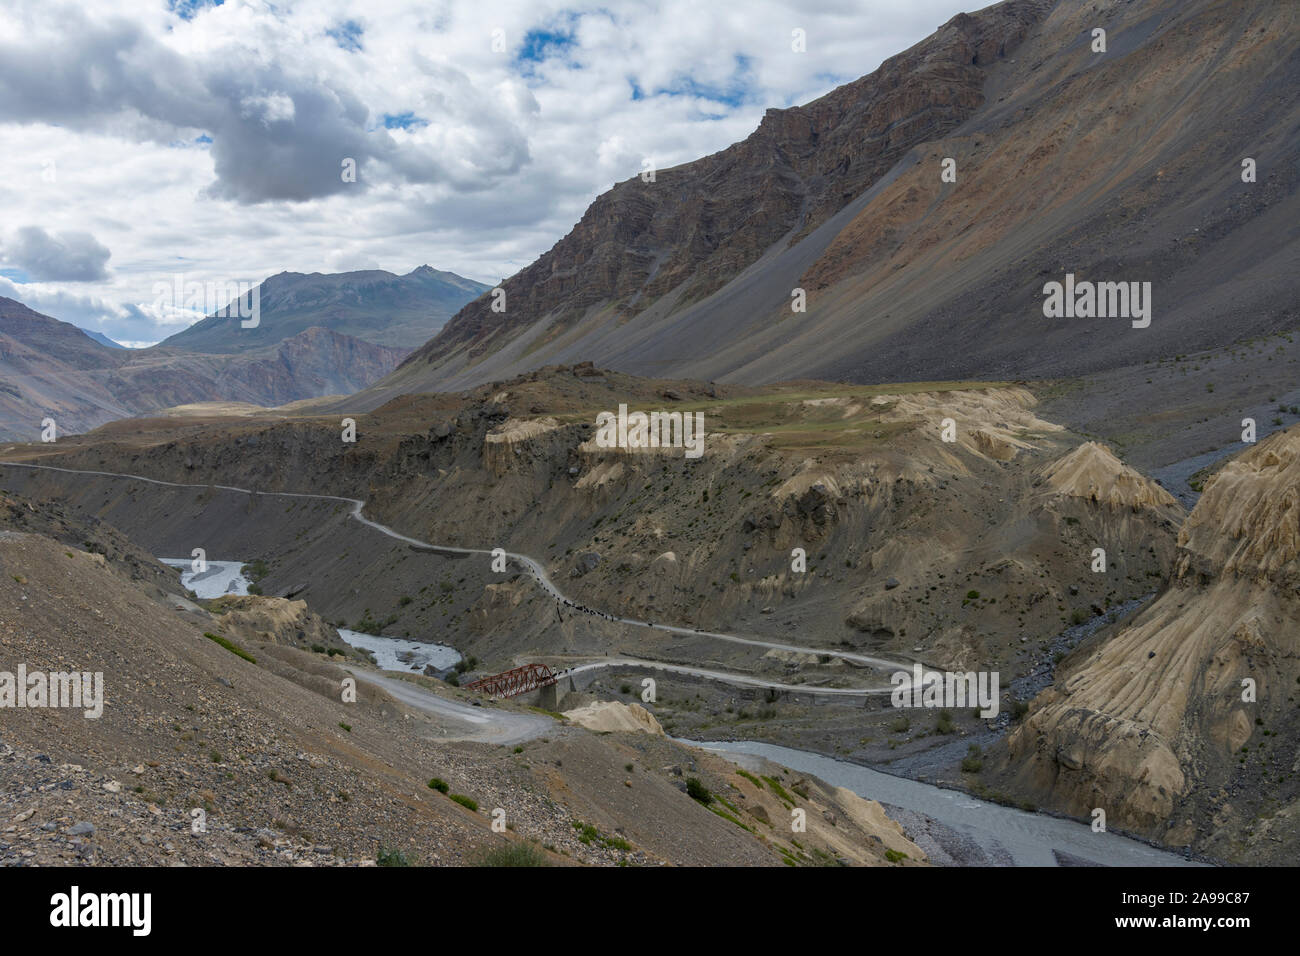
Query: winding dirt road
(543,580)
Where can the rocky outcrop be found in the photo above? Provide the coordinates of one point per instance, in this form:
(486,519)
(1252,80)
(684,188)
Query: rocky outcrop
(1179,725)
(275,621)
(610,715)
(1093,473)
(507,447)
(1247,524)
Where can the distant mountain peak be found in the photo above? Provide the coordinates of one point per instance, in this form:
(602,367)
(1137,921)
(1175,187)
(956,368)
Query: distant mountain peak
(373,305)
(102,339)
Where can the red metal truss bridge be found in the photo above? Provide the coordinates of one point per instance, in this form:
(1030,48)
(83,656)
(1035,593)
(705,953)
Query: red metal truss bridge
(512,683)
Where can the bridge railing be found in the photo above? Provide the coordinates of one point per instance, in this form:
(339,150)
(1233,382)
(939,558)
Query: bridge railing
(514,682)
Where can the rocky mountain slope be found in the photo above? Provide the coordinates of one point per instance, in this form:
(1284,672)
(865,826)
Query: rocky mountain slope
(900,528)
(400,312)
(51,369)
(1117,166)
(1181,727)
(258,745)
(973,554)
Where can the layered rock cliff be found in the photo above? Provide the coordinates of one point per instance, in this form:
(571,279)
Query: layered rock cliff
(1181,726)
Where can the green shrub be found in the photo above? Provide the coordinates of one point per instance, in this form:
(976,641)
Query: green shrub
(255,570)
(439,784)
(469,803)
(893,856)
(588,834)
(387,857)
(751,778)
(697,791)
(514,854)
(779,790)
(231,646)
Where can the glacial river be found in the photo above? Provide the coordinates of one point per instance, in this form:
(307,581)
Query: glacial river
(390,653)
(1028,838)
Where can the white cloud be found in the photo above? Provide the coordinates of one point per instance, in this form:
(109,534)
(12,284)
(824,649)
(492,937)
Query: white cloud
(213,146)
(71,256)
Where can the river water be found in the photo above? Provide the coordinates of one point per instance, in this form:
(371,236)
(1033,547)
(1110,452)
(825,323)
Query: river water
(1028,839)
(390,653)
(399,654)
(220,577)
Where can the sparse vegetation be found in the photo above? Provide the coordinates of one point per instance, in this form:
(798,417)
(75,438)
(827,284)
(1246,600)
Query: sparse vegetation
(514,854)
(697,791)
(944,724)
(230,646)
(390,857)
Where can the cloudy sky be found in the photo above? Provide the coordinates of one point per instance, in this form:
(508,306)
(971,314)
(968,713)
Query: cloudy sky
(144,139)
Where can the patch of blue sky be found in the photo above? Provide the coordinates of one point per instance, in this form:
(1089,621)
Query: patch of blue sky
(737,90)
(556,41)
(347,35)
(189,9)
(407,120)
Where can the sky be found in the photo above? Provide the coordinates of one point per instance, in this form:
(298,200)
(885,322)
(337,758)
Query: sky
(149,139)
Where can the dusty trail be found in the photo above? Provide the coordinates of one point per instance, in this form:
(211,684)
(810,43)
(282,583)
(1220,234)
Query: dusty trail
(489,725)
(741,680)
